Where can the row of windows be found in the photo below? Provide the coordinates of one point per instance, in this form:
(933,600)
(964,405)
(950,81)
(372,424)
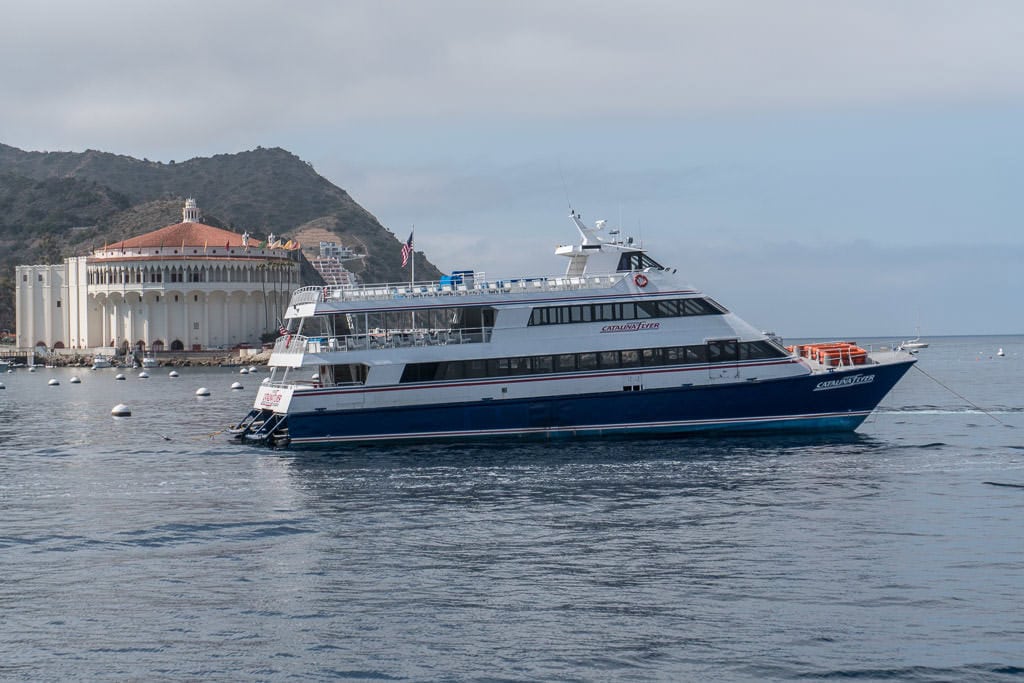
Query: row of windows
(139,276)
(640,310)
(712,352)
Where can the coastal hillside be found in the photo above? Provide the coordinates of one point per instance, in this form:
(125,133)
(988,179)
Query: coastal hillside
(57,204)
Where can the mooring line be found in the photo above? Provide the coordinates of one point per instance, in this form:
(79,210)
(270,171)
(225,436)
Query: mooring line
(972,403)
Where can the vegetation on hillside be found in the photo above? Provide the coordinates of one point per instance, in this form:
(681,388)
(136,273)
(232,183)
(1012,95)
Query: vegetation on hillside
(58,204)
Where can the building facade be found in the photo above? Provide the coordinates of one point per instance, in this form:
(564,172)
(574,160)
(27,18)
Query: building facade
(187,286)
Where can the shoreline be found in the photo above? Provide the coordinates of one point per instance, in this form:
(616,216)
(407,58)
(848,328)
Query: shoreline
(177,360)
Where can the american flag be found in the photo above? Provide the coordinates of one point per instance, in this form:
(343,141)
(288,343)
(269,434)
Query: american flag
(282,330)
(407,251)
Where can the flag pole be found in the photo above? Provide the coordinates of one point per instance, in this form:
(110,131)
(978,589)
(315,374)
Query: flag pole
(412,277)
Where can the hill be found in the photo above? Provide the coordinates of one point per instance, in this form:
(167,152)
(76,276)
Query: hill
(57,204)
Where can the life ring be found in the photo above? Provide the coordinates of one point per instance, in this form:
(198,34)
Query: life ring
(640,279)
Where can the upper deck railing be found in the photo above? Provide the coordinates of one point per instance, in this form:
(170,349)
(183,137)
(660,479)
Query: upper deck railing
(299,344)
(476,286)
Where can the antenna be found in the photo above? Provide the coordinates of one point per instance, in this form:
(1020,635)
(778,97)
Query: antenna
(565,188)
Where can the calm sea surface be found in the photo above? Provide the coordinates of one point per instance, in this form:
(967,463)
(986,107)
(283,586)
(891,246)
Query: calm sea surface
(152,548)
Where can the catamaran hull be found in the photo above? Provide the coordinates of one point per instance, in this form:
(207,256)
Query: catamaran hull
(830,402)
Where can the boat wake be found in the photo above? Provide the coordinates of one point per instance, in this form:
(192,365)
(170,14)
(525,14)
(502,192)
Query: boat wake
(935,410)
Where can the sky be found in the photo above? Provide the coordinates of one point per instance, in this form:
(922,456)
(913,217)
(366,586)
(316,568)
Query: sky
(824,169)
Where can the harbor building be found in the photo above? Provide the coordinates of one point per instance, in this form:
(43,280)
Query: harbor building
(187,286)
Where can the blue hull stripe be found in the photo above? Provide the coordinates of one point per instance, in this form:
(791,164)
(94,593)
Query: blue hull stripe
(837,401)
(805,423)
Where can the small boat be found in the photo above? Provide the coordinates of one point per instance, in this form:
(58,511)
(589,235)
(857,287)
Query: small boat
(913,344)
(100,361)
(149,362)
(1000,352)
(4,366)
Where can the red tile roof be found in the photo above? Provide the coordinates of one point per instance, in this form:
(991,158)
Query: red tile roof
(188,234)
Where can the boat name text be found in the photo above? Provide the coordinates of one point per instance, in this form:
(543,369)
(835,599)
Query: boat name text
(271,399)
(630,327)
(844,382)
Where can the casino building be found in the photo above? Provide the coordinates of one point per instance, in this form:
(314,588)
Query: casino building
(187,286)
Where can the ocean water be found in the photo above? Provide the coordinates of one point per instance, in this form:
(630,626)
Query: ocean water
(152,548)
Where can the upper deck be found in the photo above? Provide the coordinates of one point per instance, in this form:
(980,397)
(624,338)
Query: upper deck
(470,285)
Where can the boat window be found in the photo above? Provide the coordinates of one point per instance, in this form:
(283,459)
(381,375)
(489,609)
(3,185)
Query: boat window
(760,349)
(646,309)
(696,307)
(636,260)
(630,358)
(419,372)
(641,310)
(565,362)
(723,351)
(454,370)
(543,364)
(696,354)
(716,351)
(352,373)
(519,366)
(652,356)
(667,309)
(497,367)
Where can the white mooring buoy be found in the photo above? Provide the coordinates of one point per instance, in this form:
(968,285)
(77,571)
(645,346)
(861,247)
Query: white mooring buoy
(75,380)
(143,375)
(236,386)
(172,373)
(119,376)
(2,385)
(252,368)
(266,380)
(121,410)
(202,391)
(53,382)
(243,371)
(31,368)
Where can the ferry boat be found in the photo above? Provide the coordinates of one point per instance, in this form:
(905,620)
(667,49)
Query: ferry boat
(617,346)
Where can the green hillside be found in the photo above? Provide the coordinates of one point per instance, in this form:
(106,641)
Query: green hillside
(57,204)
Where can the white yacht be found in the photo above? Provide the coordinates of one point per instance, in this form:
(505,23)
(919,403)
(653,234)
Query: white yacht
(617,346)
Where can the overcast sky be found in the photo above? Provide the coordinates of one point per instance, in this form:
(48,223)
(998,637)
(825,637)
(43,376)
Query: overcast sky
(822,168)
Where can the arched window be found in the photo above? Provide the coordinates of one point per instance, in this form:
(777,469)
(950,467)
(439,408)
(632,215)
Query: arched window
(177,345)
(158,346)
